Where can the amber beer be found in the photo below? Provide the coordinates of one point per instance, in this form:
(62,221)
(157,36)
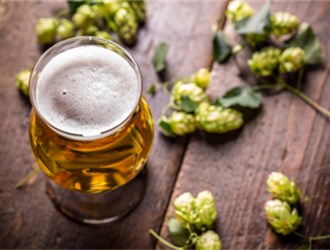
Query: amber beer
(91,130)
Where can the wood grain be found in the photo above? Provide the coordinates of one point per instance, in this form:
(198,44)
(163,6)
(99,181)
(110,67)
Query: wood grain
(286,136)
(27,217)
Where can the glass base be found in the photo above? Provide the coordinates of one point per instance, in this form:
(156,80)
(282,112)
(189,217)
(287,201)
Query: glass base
(99,208)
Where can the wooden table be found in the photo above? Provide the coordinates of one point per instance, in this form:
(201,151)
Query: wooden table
(286,136)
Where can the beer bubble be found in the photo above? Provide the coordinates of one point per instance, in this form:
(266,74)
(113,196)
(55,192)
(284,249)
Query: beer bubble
(87,90)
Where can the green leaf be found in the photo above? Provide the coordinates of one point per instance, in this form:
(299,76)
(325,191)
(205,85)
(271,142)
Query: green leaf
(187,104)
(221,48)
(152,90)
(307,40)
(165,126)
(256,24)
(75,4)
(159,59)
(178,234)
(240,96)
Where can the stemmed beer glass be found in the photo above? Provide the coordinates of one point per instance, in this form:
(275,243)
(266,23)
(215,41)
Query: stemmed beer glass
(91,130)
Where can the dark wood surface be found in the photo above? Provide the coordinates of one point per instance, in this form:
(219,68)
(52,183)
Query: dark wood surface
(286,136)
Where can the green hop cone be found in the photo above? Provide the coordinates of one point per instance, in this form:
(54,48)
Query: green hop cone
(184,209)
(202,78)
(208,241)
(194,92)
(215,119)
(65,29)
(282,188)
(207,213)
(90,30)
(139,8)
(22,81)
(46,30)
(283,219)
(85,16)
(125,24)
(103,34)
(265,62)
(238,10)
(182,123)
(292,59)
(283,23)
(107,7)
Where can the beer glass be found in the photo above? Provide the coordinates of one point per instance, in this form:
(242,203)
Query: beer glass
(91,130)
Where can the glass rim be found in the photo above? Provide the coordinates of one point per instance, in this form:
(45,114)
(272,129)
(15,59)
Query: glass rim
(33,81)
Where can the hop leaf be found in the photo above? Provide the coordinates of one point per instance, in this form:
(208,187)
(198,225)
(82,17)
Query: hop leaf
(22,81)
(292,59)
(207,213)
(283,23)
(265,62)
(194,92)
(46,30)
(283,219)
(65,29)
(202,78)
(208,241)
(182,123)
(282,188)
(238,10)
(215,119)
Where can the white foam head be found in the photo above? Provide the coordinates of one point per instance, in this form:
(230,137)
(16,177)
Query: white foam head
(87,90)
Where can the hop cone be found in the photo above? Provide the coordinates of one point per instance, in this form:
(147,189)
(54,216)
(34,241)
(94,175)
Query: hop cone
(103,34)
(126,24)
(238,10)
(283,23)
(46,30)
(282,188)
(182,123)
(85,16)
(90,30)
(207,213)
(65,29)
(292,59)
(184,208)
(202,78)
(208,241)
(139,9)
(194,92)
(215,119)
(22,81)
(281,217)
(263,63)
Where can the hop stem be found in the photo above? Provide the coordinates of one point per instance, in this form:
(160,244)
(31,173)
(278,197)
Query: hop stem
(322,237)
(163,241)
(305,98)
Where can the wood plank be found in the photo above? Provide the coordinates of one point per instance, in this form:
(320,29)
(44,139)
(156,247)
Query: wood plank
(27,217)
(287,136)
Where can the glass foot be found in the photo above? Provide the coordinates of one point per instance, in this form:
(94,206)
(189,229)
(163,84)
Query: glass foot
(99,208)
